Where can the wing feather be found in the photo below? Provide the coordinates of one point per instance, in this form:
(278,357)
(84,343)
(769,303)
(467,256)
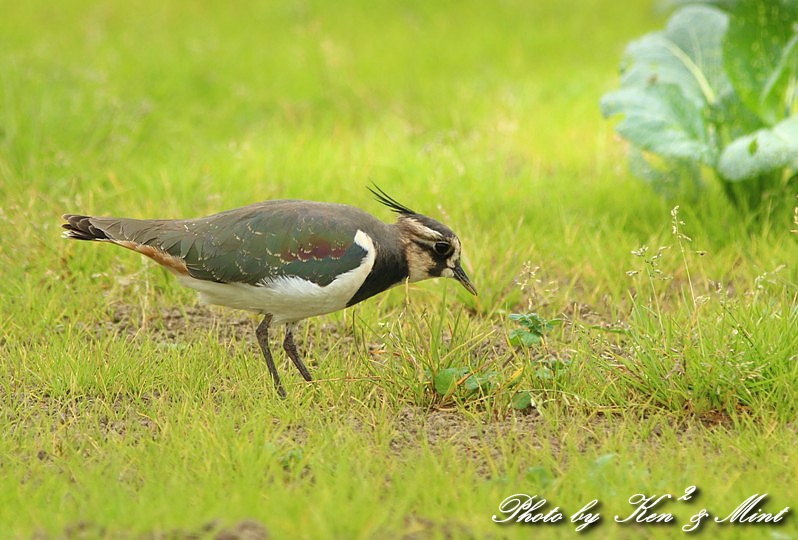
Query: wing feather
(255,244)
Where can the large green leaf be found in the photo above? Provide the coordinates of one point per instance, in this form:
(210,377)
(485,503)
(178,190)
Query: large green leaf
(715,77)
(763,151)
(658,119)
(686,54)
(732,118)
(761,55)
(667,176)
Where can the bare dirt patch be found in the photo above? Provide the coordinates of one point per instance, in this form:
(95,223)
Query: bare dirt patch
(243,530)
(169,325)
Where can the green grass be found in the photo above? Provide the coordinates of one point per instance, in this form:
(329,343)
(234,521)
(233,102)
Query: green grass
(126,411)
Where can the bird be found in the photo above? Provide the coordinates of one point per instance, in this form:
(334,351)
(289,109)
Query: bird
(288,259)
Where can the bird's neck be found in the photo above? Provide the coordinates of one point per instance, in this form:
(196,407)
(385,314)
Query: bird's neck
(390,265)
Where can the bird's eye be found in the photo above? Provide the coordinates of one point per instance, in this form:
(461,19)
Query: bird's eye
(443,248)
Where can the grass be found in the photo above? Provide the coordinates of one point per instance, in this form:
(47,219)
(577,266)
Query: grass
(126,411)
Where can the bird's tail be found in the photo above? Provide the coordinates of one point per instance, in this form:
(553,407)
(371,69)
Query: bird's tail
(143,236)
(81,228)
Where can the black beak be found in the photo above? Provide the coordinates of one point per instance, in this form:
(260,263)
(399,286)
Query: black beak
(460,275)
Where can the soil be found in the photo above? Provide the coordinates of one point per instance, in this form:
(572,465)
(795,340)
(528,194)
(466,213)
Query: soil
(243,530)
(414,426)
(169,325)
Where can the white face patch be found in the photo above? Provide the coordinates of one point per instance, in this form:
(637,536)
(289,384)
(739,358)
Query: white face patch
(422,258)
(455,256)
(422,232)
(418,262)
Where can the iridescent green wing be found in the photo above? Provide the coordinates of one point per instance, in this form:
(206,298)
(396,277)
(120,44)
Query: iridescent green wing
(254,246)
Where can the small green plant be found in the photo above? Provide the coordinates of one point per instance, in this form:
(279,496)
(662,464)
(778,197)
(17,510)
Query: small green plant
(531,332)
(446,380)
(717,89)
(532,328)
(465,384)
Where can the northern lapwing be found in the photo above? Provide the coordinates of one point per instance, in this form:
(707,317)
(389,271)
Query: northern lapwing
(288,259)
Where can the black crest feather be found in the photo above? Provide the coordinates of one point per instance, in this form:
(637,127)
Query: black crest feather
(389,201)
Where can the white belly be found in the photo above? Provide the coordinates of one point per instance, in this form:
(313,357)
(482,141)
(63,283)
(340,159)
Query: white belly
(288,299)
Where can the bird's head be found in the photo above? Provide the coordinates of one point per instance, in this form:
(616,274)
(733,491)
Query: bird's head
(430,247)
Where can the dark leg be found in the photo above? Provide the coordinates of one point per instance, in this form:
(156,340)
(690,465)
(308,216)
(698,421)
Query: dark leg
(262,333)
(290,350)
